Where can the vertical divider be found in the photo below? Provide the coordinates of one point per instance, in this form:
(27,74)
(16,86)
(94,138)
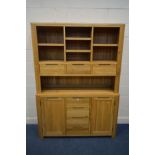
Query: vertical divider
(92,37)
(64,30)
(92,40)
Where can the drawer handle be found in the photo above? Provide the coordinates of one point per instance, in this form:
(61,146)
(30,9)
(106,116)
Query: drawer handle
(79,117)
(77,127)
(102,98)
(79,107)
(54,98)
(52,64)
(104,64)
(78,64)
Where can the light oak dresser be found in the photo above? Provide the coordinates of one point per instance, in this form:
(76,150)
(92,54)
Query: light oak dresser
(77,73)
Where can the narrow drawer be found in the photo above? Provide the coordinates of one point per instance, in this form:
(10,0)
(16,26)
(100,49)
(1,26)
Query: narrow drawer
(78,69)
(104,69)
(52,69)
(78,113)
(77,121)
(78,101)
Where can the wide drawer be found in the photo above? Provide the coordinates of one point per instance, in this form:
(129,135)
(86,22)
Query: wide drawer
(52,69)
(104,69)
(78,69)
(78,113)
(75,101)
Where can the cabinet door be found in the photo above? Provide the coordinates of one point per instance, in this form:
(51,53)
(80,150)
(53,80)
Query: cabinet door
(102,116)
(53,116)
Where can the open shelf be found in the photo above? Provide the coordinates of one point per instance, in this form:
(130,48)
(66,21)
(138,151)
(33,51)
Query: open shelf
(78,45)
(78,32)
(106,35)
(51,53)
(52,34)
(75,83)
(105,53)
(78,56)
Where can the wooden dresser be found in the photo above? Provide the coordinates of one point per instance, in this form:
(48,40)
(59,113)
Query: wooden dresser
(77,73)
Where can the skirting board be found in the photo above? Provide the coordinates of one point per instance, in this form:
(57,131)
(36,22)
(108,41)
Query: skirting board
(121,120)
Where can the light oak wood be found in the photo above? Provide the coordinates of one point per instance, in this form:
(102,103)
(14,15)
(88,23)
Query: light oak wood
(78,69)
(104,69)
(102,115)
(53,116)
(77,72)
(51,69)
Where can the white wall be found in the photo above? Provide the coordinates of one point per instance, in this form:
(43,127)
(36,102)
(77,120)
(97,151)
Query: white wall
(80,11)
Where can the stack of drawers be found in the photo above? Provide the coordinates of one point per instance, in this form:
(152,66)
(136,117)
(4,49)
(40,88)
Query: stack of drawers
(77,116)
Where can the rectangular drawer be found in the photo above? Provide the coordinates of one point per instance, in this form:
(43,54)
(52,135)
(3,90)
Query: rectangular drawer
(52,69)
(77,113)
(78,69)
(104,69)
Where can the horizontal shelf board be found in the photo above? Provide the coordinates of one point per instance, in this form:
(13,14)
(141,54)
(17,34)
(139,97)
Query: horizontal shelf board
(77,51)
(88,75)
(77,38)
(77,92)
(49,44)
(106,45)
(104,62)
(77,62)
(51,62)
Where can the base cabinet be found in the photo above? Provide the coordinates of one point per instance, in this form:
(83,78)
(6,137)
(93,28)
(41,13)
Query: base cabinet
(53,116)
(102,116)
(77,116)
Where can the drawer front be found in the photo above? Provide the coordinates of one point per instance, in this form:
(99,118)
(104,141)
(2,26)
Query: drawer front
(75,101)
(78,69)
(78,113)
(104,69)
(50,69)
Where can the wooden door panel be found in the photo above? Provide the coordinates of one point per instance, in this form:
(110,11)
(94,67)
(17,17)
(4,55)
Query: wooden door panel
(102,116)
(53,117)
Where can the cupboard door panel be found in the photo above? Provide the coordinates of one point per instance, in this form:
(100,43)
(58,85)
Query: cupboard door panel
(102,116)
(53,116)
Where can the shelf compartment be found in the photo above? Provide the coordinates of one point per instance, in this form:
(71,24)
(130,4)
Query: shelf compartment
(78,45)
(51,53)
(78,69)
(52,34)
(52,69)
(78,56)
(78,32)
(106,35)
(105,53)
(67,83)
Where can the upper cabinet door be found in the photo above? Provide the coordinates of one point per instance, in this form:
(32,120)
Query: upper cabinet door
(53,116)
(102,116)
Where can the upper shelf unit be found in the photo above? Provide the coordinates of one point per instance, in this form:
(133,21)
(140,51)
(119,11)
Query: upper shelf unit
(48,36)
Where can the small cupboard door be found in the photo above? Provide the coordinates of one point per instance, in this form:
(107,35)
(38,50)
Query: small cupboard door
(53,116)
(102,116)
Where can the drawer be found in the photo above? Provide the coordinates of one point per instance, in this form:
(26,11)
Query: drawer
(51,69)
(77,121)
(78,69)
(104,69)
(78,101)
(80,113)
